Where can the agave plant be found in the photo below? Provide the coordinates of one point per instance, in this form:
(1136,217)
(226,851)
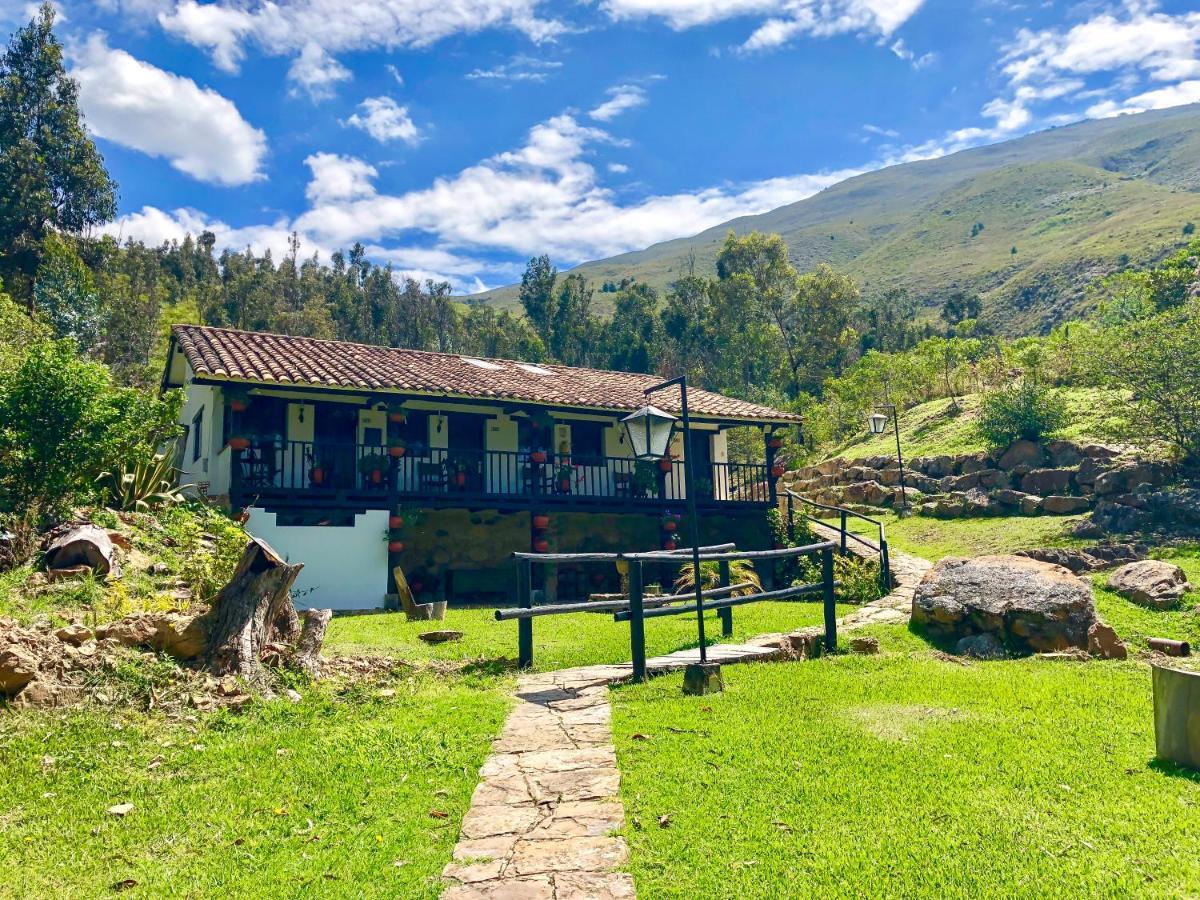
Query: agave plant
(144,484)
(741,571)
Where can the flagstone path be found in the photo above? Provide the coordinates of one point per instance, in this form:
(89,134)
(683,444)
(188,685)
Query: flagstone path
(542,820)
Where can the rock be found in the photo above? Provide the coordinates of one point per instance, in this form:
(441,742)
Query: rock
(981,646)
(1089,559)
(179,635)
(994,478)
(74,634)
(829,466)
(939,466)
(960,482)
(440,637)
(1087,529)
(950,507)
(1031,505)
(1089,470)
(1104,643)
(1021,452)
(39,694)
(120,540)
(1008,497)
(132,631)
(1047,481)
(17,668)
(1150,582)
(1066,506)
(867,645)
(67,573)
(973,463)
(1027,605)
(1064,454)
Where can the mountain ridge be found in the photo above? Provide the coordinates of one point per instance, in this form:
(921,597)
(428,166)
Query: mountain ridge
(1025,223)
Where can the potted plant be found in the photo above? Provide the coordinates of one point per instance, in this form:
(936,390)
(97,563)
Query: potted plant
(669,543)
(778,469)
(239,399)
(644,480)
(665,464)
(396,546)
(670,521)
(538,456)
(238,443)
(396,413)
(395,521)
(775,443)
(457,468)
(563,477)
(541,545)
(373,465)
(397,448)
(541,521)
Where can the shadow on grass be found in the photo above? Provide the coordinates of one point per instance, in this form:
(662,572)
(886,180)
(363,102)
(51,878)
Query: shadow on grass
(1174,770)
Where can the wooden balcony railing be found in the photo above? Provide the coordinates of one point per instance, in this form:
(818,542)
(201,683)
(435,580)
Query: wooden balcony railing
(293,469)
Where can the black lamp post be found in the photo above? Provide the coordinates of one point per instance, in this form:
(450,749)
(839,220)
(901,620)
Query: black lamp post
(878,422)
(650,431)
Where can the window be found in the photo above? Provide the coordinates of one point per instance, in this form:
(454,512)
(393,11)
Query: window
(587,440)
(197,434)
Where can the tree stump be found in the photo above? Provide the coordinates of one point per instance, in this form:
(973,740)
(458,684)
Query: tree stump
(254,610)
(1177,715)
(702,678)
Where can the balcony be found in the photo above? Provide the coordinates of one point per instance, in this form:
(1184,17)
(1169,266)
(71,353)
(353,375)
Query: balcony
(299,474)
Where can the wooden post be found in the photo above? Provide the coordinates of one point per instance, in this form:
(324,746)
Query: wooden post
(726,614)
(830,599)
(842,514)
(791,518)
(637,622)
(524,626)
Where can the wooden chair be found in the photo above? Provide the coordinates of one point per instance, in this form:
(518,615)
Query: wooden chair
(431,476)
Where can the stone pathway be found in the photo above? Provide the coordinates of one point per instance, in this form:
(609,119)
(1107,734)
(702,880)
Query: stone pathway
(541,821)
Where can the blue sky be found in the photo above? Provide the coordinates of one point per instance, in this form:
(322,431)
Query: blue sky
(456,138)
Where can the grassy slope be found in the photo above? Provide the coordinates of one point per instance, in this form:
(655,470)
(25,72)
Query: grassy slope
(1072,200)
(328,798)
(559,642)
(930,429)
(907,775)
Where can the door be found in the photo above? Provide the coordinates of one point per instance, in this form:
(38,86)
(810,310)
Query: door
(334,434)
(466,440)
(701,463)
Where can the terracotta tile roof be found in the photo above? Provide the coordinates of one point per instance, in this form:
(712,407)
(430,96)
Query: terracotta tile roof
(228,354)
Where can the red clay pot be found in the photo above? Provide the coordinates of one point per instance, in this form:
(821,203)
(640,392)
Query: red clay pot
(541,546)
(316,476)
(239,443)
(376,476)
(396,417)
(395,452)
(669,544)
(237,405)
(396,547)
(669,525)
(777,471)
(564,486)
(395,522)
(775,443)
(540,522)
(460,478)
(538,456)
(664,465)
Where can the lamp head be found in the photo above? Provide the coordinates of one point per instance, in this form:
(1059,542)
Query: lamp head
(649,431)
(878,422)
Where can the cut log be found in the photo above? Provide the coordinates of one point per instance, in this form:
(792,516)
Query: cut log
(312,637)
(1177,715)
(253,610)
(83,545)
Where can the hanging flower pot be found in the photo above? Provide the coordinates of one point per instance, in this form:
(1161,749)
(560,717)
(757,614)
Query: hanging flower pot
(397,417)
(669,544)
(396,547)
(564,485)
(665,464)
(460,479)
(538,456)
(317,475)
(376,476)
(238,405)
(239,443)
(395,451)
(395,522)
(541,521)
(541,545)
(775,443)
(669,525)
(777,470)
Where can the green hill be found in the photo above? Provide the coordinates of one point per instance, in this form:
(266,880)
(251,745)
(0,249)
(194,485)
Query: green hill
(1073,202)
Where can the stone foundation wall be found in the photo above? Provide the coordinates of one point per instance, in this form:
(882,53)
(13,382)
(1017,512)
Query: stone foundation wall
(458,553)
(1056,478)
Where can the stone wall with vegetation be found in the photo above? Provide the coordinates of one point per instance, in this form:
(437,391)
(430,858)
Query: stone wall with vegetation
(1055,478)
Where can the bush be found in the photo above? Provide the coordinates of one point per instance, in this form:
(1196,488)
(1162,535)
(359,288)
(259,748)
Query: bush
(63,422)
(1026,410)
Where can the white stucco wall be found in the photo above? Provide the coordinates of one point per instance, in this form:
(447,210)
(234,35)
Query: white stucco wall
(344,568)
(209,474)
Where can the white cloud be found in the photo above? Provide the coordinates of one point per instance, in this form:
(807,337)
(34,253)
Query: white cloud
(226,27)
(1175,95)
(618,168)
(882,132)
(902,50)
(385,120)
(782,20)
(316,72)
(519,68)
(336,177)
(621,98)
(137,105)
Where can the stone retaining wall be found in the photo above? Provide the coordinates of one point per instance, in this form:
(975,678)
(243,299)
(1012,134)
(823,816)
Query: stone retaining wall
(1056,478)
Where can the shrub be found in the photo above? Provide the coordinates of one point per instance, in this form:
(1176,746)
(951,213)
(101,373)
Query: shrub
(859,580)
(63,422)
(1025,410)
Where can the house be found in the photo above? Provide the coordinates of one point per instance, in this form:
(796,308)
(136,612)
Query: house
(354,458)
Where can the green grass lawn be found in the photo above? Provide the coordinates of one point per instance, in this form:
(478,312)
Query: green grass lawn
(1136,623)
(341,795)
(905,775)
(932,429)
(559,642)
(934,538)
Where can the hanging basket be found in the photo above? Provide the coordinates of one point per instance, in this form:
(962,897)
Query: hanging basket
(239,443)
(538,456)
(317,475)
(395,522)
(775,443)
(395,546)
(397,417)
(777,471)
(670,525)
(541,522)
(396,451)
(541,546)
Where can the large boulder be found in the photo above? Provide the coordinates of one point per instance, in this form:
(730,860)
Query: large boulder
(1021,453)
(1047,481)
(1066,506)
(1150,582)
(1028,605)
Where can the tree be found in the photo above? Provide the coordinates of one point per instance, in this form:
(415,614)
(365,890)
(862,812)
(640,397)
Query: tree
(959,307)
(1026,410)
(756,266)
(537,295)
(886,321)
(65,293)
(632,339)
(819,325)
(52,177)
